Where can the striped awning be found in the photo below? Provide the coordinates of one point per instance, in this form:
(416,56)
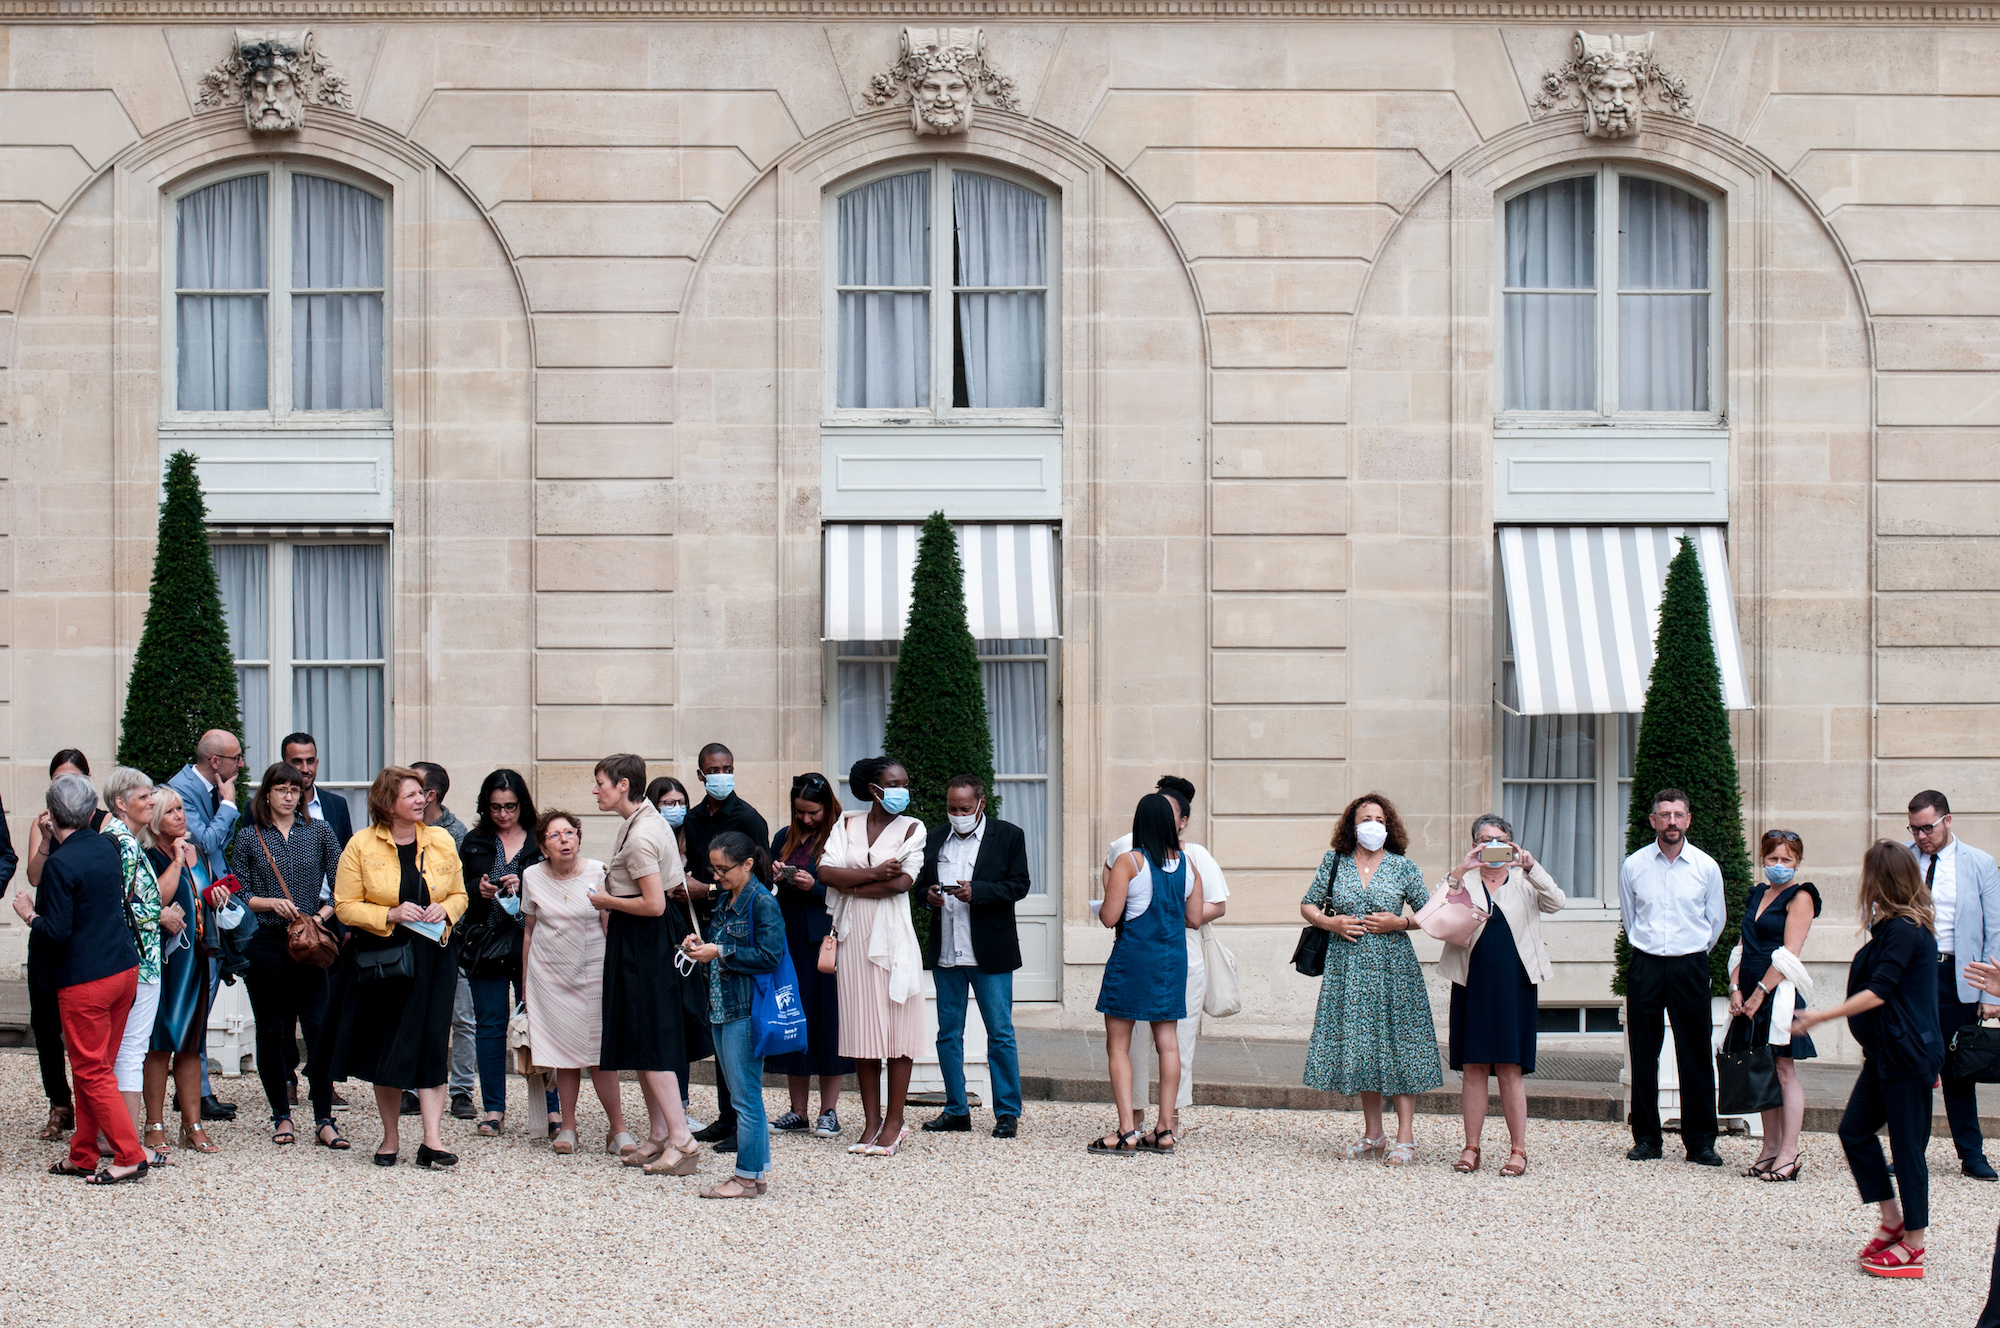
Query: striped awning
(1583,607)
(1010,581)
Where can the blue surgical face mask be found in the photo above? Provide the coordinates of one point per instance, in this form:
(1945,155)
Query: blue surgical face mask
(230,916)
(719,786)
(512,903)
(895,800)
(1777,873)
(675,812)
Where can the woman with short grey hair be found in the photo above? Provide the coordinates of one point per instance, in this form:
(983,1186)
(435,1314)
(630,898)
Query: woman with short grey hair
(129,795)
(1493,982)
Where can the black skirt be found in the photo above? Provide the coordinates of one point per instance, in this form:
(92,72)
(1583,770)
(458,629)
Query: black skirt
(819,997)
(645,1024)
(1493,1016)
(394,1034)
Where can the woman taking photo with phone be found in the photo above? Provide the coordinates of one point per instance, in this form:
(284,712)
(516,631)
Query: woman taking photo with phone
(795,852)
(1372,1033)
(1776,918)
(1494,981)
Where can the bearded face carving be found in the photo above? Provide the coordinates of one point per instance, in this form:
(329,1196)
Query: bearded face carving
(1611,78)
(275,75)
(272,102)
(940,70)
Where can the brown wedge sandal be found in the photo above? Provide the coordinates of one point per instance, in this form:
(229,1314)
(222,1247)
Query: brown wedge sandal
(1510,1169)
(1462,1166)
(683,1164)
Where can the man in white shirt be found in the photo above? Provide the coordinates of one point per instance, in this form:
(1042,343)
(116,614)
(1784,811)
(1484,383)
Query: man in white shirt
(1965,894)
(1670,898)
(1214,897)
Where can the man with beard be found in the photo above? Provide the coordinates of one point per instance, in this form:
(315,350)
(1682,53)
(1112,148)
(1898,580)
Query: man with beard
(1670,897)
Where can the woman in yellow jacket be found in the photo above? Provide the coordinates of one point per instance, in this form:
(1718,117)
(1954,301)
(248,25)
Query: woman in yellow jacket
(400,892)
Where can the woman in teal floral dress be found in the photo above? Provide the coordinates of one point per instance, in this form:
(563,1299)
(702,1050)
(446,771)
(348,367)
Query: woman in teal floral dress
(1373,1032)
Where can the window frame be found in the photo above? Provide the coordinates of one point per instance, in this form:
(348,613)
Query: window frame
(943,313)
(278,657)
(1606,291)
(280,414)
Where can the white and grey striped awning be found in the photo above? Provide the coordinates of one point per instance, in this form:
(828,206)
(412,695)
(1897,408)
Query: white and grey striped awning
(238,531)
(1010,581)
(1583,608)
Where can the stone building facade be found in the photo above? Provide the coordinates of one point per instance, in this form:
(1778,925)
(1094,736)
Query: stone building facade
(612,329)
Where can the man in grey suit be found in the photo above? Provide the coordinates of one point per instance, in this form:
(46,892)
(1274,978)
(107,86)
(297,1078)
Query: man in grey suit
(1965,891)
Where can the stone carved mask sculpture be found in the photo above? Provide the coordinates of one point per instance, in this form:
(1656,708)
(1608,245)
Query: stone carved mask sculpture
(1610,77)
(276,75)
(939,70)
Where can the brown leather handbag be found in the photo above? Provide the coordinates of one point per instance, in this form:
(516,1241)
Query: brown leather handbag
(306,942)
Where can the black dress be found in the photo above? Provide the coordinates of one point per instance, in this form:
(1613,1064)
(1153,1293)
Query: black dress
(806,924)
(1493,1013)
(645,1018)
(396,1034)
(1763,937)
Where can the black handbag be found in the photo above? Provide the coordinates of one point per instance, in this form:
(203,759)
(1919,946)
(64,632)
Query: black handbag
(391,963)
(1746,1073)
(491,947)
(1973,1052)
(1309,955)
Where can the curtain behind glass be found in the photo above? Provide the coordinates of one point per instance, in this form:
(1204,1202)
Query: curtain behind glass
(224,361)
(1017,713)
(337,244)
(1002,241)
(1555,822)
(337,614)
(1551,339)
(863,676)
(885,337)
(243,574)
(1662,339)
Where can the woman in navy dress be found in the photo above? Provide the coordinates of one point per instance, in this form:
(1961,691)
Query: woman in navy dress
(802,899)
(1147,901)
(1777,916)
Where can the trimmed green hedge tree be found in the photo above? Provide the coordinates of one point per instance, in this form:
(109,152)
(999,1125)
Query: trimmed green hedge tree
(183,675)
(1684,744)
(937,704)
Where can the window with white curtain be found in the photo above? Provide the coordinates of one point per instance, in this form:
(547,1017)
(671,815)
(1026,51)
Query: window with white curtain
(279,293)
(308,625)
(943,294)
(1608,311)
(1018,712)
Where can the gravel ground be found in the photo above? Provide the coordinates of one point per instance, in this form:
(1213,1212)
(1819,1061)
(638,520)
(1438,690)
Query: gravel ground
(1258,1221)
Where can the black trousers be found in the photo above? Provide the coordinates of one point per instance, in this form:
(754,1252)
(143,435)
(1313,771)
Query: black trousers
(1990,1316)
(1961,1100)
(1904,1105)
(286,997)
(46,1020)
(1658,989)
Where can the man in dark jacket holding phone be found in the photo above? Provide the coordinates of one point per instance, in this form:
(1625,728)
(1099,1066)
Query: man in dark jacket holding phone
(975,871)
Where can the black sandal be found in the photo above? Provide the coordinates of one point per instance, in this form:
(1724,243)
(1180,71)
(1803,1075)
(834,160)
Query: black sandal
(284,1136)
(106,1178)
(67,1168)
(1115,1145)
(338,1143)
(1757,1169)
(1151,1142)
(1784,1173)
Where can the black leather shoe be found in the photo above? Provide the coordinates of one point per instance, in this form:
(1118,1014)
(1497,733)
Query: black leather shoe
(461,1106)
(726,1145)
(1705,1156)
(948,1124)
(1006,1127)
(716,1132)
(212,1109)
(431,1158)
(411,1107)
(1978,1168)
(1643,1153)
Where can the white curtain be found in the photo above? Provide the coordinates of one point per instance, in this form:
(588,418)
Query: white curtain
(1002,232)
(337,614)
(1557,822)
(885,338)
(220,242)
(1017,712)
(243,572)
(864,674)
(337,245)
(1551,338)
(1662,339)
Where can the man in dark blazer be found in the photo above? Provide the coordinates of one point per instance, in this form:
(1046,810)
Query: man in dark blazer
(975,871)
(301,753)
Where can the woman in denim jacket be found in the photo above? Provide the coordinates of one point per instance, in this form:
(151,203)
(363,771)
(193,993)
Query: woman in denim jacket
(748,932)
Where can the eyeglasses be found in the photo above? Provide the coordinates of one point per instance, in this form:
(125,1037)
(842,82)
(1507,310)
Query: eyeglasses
(1925,830)
(1792,835)
(809,783)
(503,806)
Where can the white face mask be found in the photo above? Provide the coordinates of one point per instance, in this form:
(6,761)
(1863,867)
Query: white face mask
(963,824)
(1371,835)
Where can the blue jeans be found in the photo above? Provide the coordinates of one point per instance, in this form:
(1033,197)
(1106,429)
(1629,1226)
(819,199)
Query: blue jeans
(743,1070)
(996,1009)
(492,1007)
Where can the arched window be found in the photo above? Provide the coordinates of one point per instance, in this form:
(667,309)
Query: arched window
(1608,306)
(279,298)
(943,299)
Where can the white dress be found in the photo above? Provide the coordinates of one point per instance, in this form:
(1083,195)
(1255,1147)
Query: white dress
(881,969)
(564,977)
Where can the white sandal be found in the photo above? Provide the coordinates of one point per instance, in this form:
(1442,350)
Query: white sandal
(1401,1155)
(1366,1147)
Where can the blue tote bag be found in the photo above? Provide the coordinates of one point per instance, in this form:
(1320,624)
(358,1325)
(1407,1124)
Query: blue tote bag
(777,1020)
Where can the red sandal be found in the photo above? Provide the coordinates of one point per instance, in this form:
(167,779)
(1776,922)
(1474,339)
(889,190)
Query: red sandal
(1887,1263)
(1884,1238)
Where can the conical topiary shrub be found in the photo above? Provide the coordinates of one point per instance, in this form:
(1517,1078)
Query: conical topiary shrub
(183,675)
(1684,744)
(937,704)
